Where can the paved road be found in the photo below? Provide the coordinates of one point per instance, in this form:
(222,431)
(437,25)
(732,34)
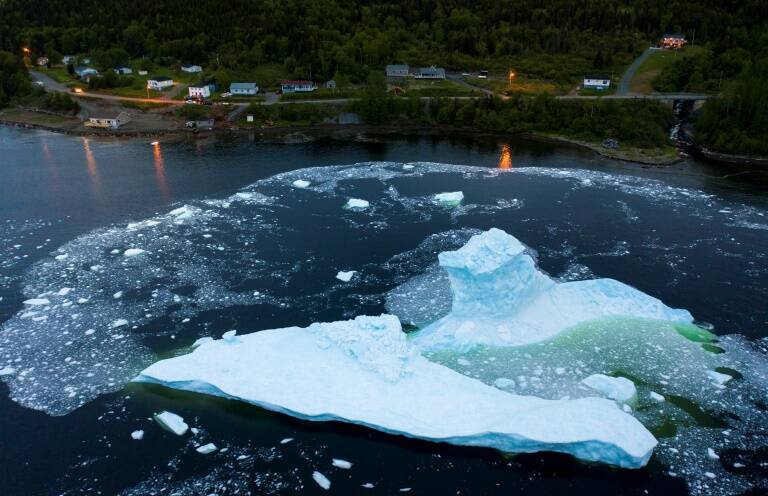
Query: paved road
(51,85)
(653,96)
(626,78)
(458,78)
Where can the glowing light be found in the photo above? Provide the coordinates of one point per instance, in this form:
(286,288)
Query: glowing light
(155,143)
(505,160)
(78,90)
(162,184)
(93,171)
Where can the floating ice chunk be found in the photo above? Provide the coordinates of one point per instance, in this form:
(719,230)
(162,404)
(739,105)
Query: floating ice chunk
(117,295)
(202,341)
(500,298)
(718,378)
(369,485)
(408,166)
(709,475)
(321,480)
(206,449)
(7,371)
(37,301)
(61,257)
(63,291)
(503,383)
(616,388)
(137,435)
(301,183)
(339,463)
(286,440)
(172,423)
(88,332)
(345,276)
(452,198)
(656,396)
(363,371)
(712,455)
(405,489)
(356,203)
(119,323)
(132,252)
(230,337)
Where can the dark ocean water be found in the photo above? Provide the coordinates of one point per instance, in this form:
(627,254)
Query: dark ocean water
(693,235)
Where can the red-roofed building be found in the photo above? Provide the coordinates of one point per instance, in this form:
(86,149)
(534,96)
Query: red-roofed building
(300,86)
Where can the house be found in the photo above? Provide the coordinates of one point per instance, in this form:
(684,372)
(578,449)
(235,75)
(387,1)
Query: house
(431,73)
(86,61)
(122,70)
(142,73)
(200,92)
(205,124)
(331,85)
(397,71)
(244,89)
(42,61)
(84,72)
(673,41)
(596,83)
(108,121)
(301,86)
(191,68)
(68,59)
(159,83)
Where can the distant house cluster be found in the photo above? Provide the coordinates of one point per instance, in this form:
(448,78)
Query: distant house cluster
(599,83)
(397,72)
(673,41)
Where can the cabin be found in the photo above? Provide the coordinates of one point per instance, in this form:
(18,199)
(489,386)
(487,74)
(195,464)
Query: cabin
(200,92)
(483,74)
(68,59)
(299,86)
(191,68)
(159,83)
(431,73)
(599,83)
(244,89)
(42,61)
(122,70)
(113,121)
(84,72)
(143,73)
(397,71)
(330,85)
(673,41)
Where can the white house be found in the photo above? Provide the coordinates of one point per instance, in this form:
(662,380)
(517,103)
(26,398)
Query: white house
(431,73)
(191,68)
(159,83)
(331,85)
(83,72)
(596,83)
(142,73)
(300,86)
(68,59)
(108,121)
(394,71)
(244,89)
(122,70)
(200,91)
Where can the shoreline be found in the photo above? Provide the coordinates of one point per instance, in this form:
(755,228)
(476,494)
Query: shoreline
(303,134)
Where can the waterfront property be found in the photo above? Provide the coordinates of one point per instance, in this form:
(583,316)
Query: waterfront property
(203,124)
(673,41)
(599,83)
(397,71)
(431,73)
(297,86)
(200,91)
(112,121)
(191,68)
(159,83)
(243,89)
(122,70)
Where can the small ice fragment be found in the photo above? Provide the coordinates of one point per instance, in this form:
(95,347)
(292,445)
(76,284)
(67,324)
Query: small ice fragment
(503,383)
(369,485)
(195,431)
(452,198)
(115,252)
(407,167)
(61,257)
(63,291)
(339,463)
(172,423)
(357,203)
(89,332)
(242,457)
(626,408)
(82,300)
(137,435)
(202,341)
(712,455)
(7,371)
(207,449)
(616,388)
(405,489)
(286,440)
(230,336)
(321,480)
(119,323)
(345,276)
(464,362)
(37,301)
(301,183)
(132,252)
(709,474)
(117,295)
(738,465)
(718,378)
(656,396)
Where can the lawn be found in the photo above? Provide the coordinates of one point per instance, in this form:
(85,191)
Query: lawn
(436,88)
(654,64)
(323,94)
(520,84)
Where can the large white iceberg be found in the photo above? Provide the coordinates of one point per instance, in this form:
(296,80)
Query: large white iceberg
(500,298)
(364,371)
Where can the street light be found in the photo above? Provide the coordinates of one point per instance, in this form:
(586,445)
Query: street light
(511,76)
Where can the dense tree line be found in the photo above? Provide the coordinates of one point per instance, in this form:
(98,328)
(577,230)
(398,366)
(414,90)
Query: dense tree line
(14,79)
(555,39)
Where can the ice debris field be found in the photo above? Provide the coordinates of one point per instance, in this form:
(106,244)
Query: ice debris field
(485,321)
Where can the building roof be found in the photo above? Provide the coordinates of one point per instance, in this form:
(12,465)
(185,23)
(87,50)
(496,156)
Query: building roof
(668,35)
(161,78)
(243,86)
(608,78)
(397,67)
(296,81)
(432,70)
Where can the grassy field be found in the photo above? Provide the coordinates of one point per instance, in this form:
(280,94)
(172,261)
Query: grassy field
(654,64)
(323,94)
(520,84)
(439,88)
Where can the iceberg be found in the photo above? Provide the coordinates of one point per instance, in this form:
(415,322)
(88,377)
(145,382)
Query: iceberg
(619,389)
(345,276)
(364,371)
(172,423)
(501,298)
(451,199)
(301,183)
(357,204)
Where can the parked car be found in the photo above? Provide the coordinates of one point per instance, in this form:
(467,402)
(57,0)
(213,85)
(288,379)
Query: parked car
(226,94)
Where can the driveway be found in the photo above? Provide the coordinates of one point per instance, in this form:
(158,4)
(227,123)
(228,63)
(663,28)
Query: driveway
(626,78)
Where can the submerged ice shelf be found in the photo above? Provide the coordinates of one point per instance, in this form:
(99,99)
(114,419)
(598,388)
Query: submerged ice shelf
(364,371)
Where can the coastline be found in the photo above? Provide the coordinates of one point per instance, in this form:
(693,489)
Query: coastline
(303,134)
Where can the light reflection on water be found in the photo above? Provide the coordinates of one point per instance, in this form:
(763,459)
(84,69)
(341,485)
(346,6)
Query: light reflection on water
(505,159)
(162,184)
(93,170)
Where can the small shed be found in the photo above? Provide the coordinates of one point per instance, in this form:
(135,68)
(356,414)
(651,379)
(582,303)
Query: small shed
(331,85)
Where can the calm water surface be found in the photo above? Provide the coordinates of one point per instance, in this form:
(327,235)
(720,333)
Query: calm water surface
(692,234)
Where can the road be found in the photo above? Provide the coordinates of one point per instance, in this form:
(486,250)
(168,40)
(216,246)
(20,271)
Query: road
(458,78)
(624,88)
